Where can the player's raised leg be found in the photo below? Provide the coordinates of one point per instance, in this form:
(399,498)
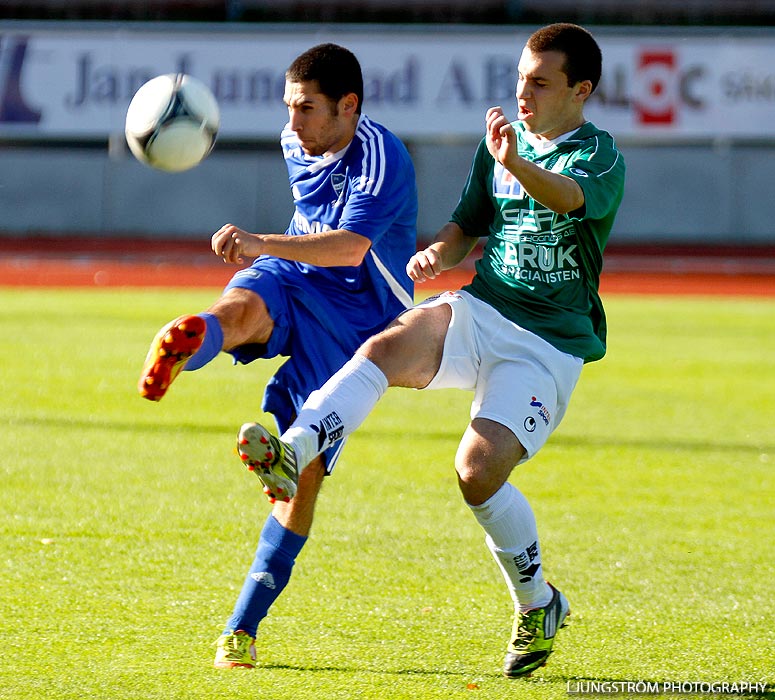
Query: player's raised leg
(339,407)
(239,317)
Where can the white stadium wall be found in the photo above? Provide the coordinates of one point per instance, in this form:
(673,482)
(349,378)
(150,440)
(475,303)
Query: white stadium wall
(692,110)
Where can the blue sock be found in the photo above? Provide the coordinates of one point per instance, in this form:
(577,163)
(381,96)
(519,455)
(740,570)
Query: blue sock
(269,575)
(211,345)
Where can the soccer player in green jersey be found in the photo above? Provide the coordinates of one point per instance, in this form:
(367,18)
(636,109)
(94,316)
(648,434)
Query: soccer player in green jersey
(543,190)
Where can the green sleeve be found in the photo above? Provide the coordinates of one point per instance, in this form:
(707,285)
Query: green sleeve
(599,171)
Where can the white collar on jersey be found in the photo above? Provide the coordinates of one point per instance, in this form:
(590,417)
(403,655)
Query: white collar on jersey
(319,162)
(543,145)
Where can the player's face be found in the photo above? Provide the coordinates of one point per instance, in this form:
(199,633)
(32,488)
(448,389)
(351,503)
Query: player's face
(322,125)
(547,105)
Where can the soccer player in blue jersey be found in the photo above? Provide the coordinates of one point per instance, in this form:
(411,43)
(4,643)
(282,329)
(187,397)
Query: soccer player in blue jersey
(544,190)
(314,294)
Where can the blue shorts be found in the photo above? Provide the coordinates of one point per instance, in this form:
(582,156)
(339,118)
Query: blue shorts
(311,328)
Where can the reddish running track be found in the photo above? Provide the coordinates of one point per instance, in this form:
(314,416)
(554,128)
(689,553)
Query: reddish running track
(101,262)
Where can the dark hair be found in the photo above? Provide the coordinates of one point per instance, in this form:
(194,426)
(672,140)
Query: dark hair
(583,58)
(335,69)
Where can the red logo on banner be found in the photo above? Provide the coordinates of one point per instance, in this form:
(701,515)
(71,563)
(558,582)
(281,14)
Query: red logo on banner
(655,101)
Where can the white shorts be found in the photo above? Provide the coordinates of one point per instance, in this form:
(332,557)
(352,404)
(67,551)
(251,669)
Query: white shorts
(519,380)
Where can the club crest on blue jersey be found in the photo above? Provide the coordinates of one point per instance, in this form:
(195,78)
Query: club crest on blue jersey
(338,181)
(367,187)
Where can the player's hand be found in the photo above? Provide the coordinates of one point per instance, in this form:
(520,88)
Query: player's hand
(424,265)
(501,139)
(231,243)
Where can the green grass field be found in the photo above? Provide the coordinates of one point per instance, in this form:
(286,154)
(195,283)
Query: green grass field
(127,526)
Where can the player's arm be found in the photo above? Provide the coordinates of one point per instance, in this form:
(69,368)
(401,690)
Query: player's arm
(326,249)
(449,248)
(557,192)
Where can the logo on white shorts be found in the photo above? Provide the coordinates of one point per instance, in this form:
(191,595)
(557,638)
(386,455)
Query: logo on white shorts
(543,411)
(530,423)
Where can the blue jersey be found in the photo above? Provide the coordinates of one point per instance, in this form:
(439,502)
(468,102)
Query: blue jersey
(322,315)
(367,188)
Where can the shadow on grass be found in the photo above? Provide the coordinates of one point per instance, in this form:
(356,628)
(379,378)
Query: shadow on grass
(574,686)
(557,440)
(370,670)
(128,426)
(402,674)
(651,444)
(662,445)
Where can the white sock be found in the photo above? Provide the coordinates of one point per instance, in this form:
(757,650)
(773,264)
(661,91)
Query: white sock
(336,409)
(512,537)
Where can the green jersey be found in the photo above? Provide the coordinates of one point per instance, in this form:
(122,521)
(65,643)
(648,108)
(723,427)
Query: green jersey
(541,269)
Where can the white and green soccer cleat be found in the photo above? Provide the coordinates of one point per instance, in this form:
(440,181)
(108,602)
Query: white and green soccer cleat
(272,461)
(533,636)
(235,650)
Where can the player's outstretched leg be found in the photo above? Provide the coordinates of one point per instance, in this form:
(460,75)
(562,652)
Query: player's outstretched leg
(272,461)
(533,636)
(170,350)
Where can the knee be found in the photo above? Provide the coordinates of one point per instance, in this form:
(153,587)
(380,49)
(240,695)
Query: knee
(375,348)
(244,317)
(484,461)
(477,485)
(240,305)
(470,475)
(403,356)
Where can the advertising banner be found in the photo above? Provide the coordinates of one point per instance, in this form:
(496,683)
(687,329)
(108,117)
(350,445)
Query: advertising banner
(424,83)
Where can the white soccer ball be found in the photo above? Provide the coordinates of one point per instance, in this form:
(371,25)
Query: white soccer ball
(172,122)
